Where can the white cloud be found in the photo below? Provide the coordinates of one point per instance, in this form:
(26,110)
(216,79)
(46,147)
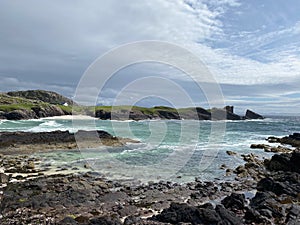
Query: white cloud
(49,44)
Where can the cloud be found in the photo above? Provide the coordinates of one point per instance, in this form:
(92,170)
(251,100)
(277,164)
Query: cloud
(248,45)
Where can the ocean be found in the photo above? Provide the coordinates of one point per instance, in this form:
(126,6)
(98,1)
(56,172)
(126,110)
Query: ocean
(175,150)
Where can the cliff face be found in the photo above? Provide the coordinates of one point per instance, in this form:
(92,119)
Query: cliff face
(36,104)
(32,105)
(160,112)
(41,95)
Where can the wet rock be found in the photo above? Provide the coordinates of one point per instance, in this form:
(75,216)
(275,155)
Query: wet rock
(231,153)
(234,201)
(260,146)
(293,140)
(240,171)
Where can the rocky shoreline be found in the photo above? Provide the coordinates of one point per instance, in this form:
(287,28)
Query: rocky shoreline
(263,192)
(28,142)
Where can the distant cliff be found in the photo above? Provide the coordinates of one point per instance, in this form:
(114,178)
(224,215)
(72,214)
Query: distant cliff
(162,112)
(34,104)
(41,95)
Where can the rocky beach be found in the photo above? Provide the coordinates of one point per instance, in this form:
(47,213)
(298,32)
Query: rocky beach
(262,192)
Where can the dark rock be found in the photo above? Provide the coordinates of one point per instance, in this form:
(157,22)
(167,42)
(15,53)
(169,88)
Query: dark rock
(227,216)
(68,221)
(253,216)
(102,114)
(230,153)
(181,213)
(105,220)
(166,114)
(20,115)
(252,115)
(263,201)
(132,220)
(260,146)
(202,114)
(295,161)
(221,114)
(2,115)
(21,138)
(279,162)
(206,214)
(279,188)
(293,140)
(229,108)
(234,201)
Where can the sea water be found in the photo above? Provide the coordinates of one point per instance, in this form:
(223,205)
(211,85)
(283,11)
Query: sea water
(177,150)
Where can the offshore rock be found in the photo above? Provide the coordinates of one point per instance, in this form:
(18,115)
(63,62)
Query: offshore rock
(252,115)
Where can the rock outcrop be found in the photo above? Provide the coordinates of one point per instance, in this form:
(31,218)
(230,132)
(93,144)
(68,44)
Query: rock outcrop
(34,113)
(252,115)
(160,112)
(8,139)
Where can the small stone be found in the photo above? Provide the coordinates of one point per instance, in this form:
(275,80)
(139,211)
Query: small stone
(231,153)
(4,178)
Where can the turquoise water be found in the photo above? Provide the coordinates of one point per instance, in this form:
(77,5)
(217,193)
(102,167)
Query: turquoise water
(174,150)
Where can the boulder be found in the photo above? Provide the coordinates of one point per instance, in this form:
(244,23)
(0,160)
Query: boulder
(180,213)
(279,162)
(234,201)
(285,162)
(252,115)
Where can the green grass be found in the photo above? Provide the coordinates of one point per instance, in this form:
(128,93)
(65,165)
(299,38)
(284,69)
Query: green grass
(11,107)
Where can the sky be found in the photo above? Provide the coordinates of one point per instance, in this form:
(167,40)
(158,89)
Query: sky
(251,47)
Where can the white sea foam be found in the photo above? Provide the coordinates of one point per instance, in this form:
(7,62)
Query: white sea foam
(47,126)
(70,117)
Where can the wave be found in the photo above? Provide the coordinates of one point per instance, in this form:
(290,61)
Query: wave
(47,126)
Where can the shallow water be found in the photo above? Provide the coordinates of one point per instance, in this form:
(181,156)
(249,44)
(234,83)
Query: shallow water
(173,150)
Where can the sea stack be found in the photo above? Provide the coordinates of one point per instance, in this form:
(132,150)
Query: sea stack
(252,115)
(229,108)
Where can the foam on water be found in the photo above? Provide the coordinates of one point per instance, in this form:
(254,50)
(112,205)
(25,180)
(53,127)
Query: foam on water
(47,126)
